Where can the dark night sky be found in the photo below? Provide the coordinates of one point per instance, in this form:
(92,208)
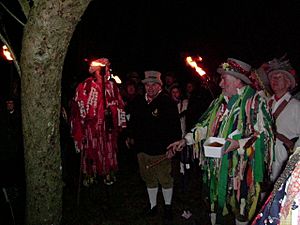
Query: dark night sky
(152,34)
(157,34)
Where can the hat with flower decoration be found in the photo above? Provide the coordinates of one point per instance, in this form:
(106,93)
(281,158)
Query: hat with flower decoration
(283,66)
(260,79)
(236,68)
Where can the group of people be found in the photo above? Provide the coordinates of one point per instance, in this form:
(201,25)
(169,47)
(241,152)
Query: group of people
(260,130)
(255,114)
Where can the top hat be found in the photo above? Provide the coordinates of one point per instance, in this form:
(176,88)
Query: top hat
(152,76)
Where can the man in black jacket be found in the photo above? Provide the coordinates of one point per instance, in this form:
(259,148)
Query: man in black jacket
(11,145)
(154,125)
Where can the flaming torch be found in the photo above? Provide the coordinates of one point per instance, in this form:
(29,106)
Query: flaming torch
(9,57)
(203,75)
(194,65)
(115,77)
(96,64)
(7,53)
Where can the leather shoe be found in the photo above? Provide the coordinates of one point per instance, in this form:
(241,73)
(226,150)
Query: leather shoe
(150,212)
(168,213)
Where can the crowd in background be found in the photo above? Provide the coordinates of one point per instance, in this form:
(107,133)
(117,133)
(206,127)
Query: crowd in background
(191,99)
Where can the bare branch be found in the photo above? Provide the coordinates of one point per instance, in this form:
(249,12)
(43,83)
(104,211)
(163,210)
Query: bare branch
(10,13)
(25,7)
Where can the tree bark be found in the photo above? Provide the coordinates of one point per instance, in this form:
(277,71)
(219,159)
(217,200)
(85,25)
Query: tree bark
(47,34)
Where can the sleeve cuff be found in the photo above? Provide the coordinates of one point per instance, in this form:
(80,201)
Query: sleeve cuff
(189,139)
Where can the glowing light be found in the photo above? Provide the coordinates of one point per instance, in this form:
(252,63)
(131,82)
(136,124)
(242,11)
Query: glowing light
(117,79)
(95,64)
(194,65)
(6,53)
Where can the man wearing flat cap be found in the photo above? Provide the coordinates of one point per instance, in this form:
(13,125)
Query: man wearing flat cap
(154,125)
(96,119)
(285,110)
(240,117)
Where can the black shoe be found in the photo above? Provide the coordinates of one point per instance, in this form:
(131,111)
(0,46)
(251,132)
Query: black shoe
(150,212)
(168,213)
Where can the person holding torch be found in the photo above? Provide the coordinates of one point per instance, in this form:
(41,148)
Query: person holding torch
(241,119)
(97,118)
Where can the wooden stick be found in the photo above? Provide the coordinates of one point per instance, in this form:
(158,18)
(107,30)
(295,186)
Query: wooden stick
(80,177)
(156,162)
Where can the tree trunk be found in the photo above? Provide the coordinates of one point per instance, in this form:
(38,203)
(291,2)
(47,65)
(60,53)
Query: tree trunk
(45,42)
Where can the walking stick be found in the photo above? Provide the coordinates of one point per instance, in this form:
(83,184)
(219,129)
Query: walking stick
(79,177)
(107,111)
(9,203)
(155,163)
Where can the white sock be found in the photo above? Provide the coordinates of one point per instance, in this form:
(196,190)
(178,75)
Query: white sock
(152,193)
(181,168)
(213,218)
(167,193)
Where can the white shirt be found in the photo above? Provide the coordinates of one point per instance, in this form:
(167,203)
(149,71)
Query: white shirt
(288,121)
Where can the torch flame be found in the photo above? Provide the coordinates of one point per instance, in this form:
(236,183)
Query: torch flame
(6,53)
(95,64)
(117,79)
(194,65)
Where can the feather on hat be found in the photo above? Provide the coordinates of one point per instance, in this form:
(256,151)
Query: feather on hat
(282,65)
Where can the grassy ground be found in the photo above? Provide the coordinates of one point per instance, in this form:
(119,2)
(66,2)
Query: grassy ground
(119,204)
(123,202)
